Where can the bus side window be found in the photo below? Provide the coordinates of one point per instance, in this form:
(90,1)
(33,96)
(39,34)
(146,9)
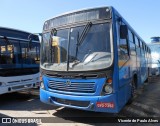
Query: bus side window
(122,44)
(123,49)
(131,43)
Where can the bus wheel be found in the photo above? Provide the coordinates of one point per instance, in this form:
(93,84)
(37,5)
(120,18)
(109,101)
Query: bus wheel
(133,90)
(146,81)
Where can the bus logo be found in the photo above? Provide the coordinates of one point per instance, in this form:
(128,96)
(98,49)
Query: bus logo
(68,82)
(6,120)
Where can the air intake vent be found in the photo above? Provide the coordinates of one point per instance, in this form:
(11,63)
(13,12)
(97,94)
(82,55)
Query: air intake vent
(67,86)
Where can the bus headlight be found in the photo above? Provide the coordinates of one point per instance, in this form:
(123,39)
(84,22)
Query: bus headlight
(42,85)
(2,83)
(107,88)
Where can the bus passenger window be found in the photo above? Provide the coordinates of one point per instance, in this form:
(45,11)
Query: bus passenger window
(131,43)
(123,50)
(122,44)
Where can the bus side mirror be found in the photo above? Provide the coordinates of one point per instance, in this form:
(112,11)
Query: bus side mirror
(30,44)
(123,31)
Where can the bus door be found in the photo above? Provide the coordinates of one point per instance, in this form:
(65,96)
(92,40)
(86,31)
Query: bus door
(142,63)
(124,68)
(138,53)
(133,54)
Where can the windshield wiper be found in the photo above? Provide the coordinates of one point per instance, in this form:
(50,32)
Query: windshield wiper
(53,33)
(84,33)
(80,40)
(75,62)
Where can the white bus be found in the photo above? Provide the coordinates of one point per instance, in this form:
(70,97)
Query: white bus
(155,55)
(19,60)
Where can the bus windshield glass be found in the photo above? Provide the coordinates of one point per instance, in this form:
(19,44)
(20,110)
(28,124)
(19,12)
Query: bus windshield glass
(81,48)
(17,54)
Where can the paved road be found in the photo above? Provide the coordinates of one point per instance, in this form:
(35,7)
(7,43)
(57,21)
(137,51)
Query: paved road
(27,104)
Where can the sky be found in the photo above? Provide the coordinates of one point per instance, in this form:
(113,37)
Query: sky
(29,15)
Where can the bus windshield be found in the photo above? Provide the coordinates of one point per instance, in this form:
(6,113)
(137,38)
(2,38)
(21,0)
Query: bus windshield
(16,54)
(78,48)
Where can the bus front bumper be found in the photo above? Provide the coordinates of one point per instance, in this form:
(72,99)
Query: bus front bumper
(105,103)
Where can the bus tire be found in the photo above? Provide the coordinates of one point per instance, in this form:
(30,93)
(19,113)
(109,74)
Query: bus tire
(146,81)
(133,90)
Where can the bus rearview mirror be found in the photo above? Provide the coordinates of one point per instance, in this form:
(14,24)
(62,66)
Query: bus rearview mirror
(30,44)
(123,31)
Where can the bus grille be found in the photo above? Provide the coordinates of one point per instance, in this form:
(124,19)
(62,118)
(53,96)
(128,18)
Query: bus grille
(72,102)
(81,87)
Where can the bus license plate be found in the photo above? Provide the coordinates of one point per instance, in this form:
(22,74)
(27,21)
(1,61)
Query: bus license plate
(105,104)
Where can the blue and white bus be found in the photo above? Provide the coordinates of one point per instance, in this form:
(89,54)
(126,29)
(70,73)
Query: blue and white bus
(19,60)
(155,56)
(92,60)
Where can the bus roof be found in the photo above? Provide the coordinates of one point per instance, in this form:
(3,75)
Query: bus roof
(15,33)
(79,10)
(111,8)
(81,15)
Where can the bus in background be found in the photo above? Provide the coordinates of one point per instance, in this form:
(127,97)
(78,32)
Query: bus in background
(92,60)
(155,56)
(19,60)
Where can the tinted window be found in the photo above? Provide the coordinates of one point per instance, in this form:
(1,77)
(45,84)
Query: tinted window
(130,36)
(136,41)
(122,44)
(131,43)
